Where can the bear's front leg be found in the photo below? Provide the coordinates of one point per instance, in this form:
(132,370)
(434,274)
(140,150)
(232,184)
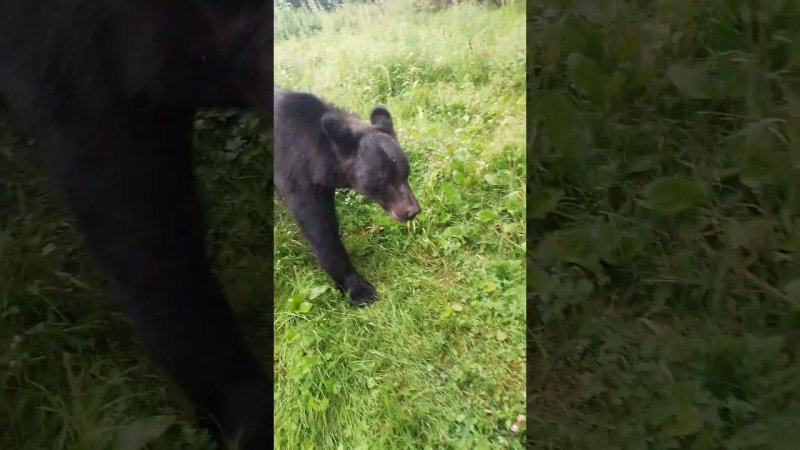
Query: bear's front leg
(315,212)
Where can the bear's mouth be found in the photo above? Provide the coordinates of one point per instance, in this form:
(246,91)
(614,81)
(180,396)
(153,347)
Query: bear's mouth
(394,216)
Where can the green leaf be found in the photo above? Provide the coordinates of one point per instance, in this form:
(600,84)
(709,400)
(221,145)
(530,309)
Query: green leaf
(750,234)
(234,144)
(792,289)
(643,164)
(686,422)
(628,246)
(486,215)
(450,194)
(578,35)
(602,12)
(459,178)
(304,307)
(539,280)
(673,195)
(691,81)
(730,79)
(316,291)
(295,301)
(795,51)
(139,433)
(493,179)
(564,126)
(577,244)
(543,201)
(457,307)
(447,312)
(586,76)
(585,245)
(318,405)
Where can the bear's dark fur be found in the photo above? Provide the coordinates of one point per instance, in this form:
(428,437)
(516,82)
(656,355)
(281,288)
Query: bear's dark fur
(110,89)
(320,148)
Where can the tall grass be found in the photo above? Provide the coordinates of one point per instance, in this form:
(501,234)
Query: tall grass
(438,361)
(664,267)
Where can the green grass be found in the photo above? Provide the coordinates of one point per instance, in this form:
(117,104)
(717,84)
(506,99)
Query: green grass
(664,251)
(438,361)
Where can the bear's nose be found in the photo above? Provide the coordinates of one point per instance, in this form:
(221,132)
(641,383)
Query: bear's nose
(404,213)
(412,212)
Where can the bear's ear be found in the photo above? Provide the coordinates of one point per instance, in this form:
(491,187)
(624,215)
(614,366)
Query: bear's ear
(381,119)
(338,130)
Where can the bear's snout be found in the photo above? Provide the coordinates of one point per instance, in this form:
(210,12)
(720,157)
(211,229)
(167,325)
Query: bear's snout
(409,212)
(406,208)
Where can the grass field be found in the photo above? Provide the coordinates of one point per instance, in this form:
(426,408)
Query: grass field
(438,361)
(664,225)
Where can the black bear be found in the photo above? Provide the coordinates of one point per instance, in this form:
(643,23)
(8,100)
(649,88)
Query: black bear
(110,89)
(320,148)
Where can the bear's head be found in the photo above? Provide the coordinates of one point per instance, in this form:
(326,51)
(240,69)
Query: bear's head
(372,161)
